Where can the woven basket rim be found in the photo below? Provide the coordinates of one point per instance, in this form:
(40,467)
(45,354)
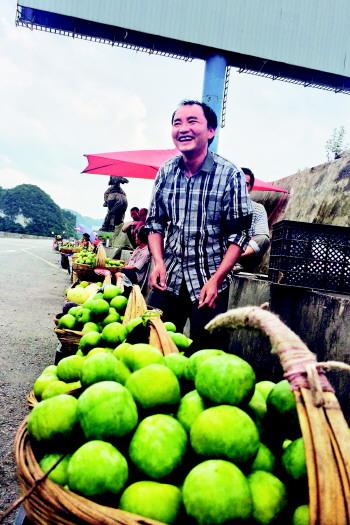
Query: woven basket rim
(51,503)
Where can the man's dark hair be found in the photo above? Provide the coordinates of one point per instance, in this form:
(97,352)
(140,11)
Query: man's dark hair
(142,234)
(250,174)
(210,115)
(134,208)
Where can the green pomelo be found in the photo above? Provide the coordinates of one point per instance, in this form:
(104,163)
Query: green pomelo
(83,316)
(225,379)
(269,496)
(67,321)
(99,307)
(257,408)
(301,515)
(119,303)
(216,492)
(55,389)
(114,333)
(97,468)
(54,418)
(106,410)
(181,340)
(89,341)
(158,445)
(59,473)
(50,370)
(169,326)
(112,317)
(97,350)
(83,284)
(42,382)
(110,291)
(89,327)
(264,387)
(196,359)
(133,323)
(177,363)
(154,385)
(140,355)
(294,460)
(74,310)
(68,369)
(225,431)
(103,366)
(281,410)
(191,405)
(97,296)
(158,501)
(264,460)
(121,350)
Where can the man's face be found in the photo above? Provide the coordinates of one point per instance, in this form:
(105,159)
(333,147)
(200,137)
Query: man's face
(134,214)
(248,183)
(190,132)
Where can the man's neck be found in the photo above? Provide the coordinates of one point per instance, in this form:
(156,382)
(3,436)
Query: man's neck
(192,164)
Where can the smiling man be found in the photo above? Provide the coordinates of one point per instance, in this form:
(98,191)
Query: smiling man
(201,209)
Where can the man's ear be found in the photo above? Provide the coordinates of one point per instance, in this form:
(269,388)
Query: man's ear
(211,133)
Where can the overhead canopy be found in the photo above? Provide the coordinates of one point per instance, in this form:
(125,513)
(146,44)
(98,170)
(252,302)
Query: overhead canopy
(144,164)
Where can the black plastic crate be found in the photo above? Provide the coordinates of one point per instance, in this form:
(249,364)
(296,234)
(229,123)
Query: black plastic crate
(310,255)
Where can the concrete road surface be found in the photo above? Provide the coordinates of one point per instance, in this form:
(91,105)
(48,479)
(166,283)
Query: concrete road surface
(32,286)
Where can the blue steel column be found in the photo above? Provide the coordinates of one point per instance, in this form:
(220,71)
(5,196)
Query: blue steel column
(213,89)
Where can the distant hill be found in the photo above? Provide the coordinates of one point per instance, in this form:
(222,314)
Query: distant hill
(89,222)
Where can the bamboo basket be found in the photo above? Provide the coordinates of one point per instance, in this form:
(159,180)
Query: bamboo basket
(49,503)
(69,339)
(324,429)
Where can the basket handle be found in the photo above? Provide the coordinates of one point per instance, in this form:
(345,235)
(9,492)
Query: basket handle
(299,364)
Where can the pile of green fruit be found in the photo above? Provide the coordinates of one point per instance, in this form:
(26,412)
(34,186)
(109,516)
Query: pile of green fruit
(114,263)
(85,257)
(173,438)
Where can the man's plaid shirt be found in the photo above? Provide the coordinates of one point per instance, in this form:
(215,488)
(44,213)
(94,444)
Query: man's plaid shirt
(199,216)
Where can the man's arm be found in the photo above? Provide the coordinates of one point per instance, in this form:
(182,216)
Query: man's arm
(158,274)
(210,290)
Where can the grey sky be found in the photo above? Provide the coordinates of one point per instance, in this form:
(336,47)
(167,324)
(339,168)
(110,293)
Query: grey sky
(62,97)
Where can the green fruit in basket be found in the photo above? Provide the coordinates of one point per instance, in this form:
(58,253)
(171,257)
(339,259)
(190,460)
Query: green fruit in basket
(42,382)
(49,370)
(114,333)
(89,340)
(112,317)
(97,468)
(142,354)
(74,310)
(158,445)
(191,405)
(169,326)
(264,460)
(225,431)
(84,284)
(269,496)
(54,389)
(59,474)
(110,291)
(106,410)
(98,295)
(225,379)
(121,350)
(281,410)
(119,303)
(89,327)
(67,321)
(265,387)
(157,501)
(216,492)
(257,408)
(97,350)
(181,340)
(68,369)
(79,352)
(54,418)
(133,323)
(198,357)
(294,460)
(83,315)
(99,307)
(177,363)
(301,515)
(103,367)
(154,385)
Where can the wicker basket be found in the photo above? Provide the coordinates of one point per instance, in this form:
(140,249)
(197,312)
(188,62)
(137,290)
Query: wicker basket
(69,339)
(69,251)
(49,503)
(31,399)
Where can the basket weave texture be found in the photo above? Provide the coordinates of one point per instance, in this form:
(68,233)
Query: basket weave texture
(51,504)
(69,339)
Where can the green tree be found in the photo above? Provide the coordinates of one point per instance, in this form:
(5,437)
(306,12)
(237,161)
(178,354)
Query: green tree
(335,145)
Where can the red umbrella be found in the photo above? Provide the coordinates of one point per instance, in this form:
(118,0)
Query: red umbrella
(144,164)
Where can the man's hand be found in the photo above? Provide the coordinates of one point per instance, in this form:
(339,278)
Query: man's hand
(158,277)
(208,294)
